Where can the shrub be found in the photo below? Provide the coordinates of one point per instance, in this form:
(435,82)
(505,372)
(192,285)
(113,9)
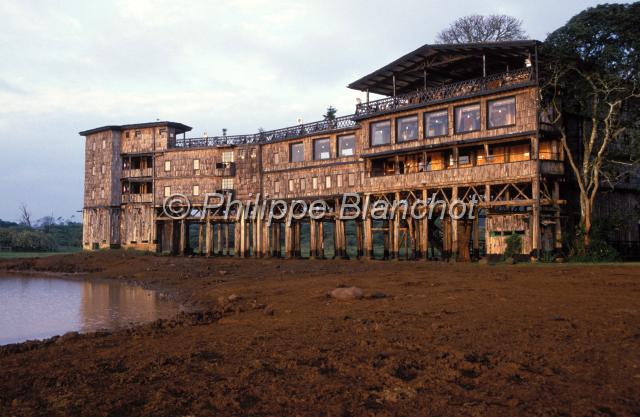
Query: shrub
(514,246)
(33,241)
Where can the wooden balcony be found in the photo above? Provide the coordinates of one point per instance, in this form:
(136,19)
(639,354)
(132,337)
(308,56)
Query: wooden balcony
(137,198)
(483,174)
(225,169)
(137,173)
(454,91)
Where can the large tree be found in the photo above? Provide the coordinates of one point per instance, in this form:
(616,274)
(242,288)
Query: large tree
(590,67)
(478,28)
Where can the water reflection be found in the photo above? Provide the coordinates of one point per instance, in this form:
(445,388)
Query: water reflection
(37,308)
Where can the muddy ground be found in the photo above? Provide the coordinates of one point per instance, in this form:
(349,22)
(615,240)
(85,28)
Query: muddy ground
(427,339)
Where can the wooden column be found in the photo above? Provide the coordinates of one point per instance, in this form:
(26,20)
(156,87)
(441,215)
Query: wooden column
(200,238)
(359,239)
(313,250)
(288,240)
(454,226)
(535,229)
(387,238)
(209,238)
(320,239)
(558,226)
(227,249)
(476,237)
(487,232)
(183,237)
(368,233)
(425,226)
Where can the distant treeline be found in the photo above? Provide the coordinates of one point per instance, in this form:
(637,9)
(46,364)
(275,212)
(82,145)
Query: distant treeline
(48,235)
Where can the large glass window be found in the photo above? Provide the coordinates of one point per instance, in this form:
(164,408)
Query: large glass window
(296,152)
(381,133)
(407,128)
(436,123)
(321,149)
(467,118)
(501,112)
(347,145)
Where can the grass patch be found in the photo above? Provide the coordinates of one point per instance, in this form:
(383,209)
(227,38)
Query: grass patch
(18,255)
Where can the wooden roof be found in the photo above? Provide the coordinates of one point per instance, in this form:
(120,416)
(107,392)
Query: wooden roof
(180,128)
(445,63)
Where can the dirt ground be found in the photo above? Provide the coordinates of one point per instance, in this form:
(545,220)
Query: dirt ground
(428,339)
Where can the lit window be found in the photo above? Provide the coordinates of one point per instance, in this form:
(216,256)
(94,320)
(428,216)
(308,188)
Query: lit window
(196,190)
(296,152)
(167,191)
(104,144)
(93,195)
(167,166)
(501,112)
(227,183)
(314,183)
(346,145)
(276,187)
(339,180)
(381,133)
(196,164)
(102,193)
(227,156)
(93,145)
(407,128)
(302,184)
(352,180)
(467,118)
(93,170)
(327,181)
(291,185)
(321,149)
(436,123)
(102,169)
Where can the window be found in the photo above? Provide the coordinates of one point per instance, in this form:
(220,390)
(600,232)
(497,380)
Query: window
(339,180)
(501,112)
(296,152)
(93,145)
(93,170)
(162,132)
(314,183)
(467,118)
(276,187)
(381,133)
(327,181)
(254,153)
(465,158)
(291,185)
(167,191)
(167,166)
(436,123)
(196,190)
(127,134)
(104,144)
(303,183)
(352,180)
(321,149)
(102,169)
(138,133)
(196,164)
(102,193)
(407,128)
(93,194)
(227,156)
(227,183)
(276,158)
(346,145)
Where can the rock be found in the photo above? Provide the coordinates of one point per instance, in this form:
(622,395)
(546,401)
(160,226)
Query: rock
(510,261)
(559,260)
(483,261)
(223,272)
(350,293)
(233,297)
(268,311)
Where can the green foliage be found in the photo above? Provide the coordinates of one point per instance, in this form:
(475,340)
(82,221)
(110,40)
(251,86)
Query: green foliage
(597,251)
(33,241)
(331,113)
(514,245)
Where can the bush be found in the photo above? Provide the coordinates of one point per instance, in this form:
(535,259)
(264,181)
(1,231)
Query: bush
(514,246)
(7,238)
(33,241)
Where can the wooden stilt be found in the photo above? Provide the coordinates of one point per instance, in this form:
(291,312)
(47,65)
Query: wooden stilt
(454,226)
(209,239)
(359,239)
(321,239)
(183,237)
(313,238)
(227,245)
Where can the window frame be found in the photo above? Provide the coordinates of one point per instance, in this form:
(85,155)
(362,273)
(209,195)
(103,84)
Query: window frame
(426,127)
(515,112)
(417,116)
(167,166)
(338,148)
(291,145)
(455,118)
(371,133)
(315,157)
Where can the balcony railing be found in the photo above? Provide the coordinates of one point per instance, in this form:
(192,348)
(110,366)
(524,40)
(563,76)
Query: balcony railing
(450,91)
(134,173)
(137,198)
(324,126)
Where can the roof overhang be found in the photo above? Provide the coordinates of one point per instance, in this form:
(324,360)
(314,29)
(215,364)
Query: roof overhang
(179,127)
(435,65)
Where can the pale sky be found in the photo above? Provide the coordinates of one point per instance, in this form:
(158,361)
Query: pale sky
(68,66)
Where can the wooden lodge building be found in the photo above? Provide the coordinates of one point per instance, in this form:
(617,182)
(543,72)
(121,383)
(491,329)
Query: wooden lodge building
(457,121)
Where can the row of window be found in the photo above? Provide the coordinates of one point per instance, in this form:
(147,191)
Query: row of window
(227,184)
(346,146)
(227,158)
(500,113)
(316,181)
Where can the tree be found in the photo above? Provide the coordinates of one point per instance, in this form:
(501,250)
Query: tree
(25,215)
(478,28)
(591,77)
(330,114)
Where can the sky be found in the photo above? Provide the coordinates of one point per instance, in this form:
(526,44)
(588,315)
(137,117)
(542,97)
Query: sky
(69,66)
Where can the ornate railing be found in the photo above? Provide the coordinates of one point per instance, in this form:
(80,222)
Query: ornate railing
(454,90)
(305,129)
